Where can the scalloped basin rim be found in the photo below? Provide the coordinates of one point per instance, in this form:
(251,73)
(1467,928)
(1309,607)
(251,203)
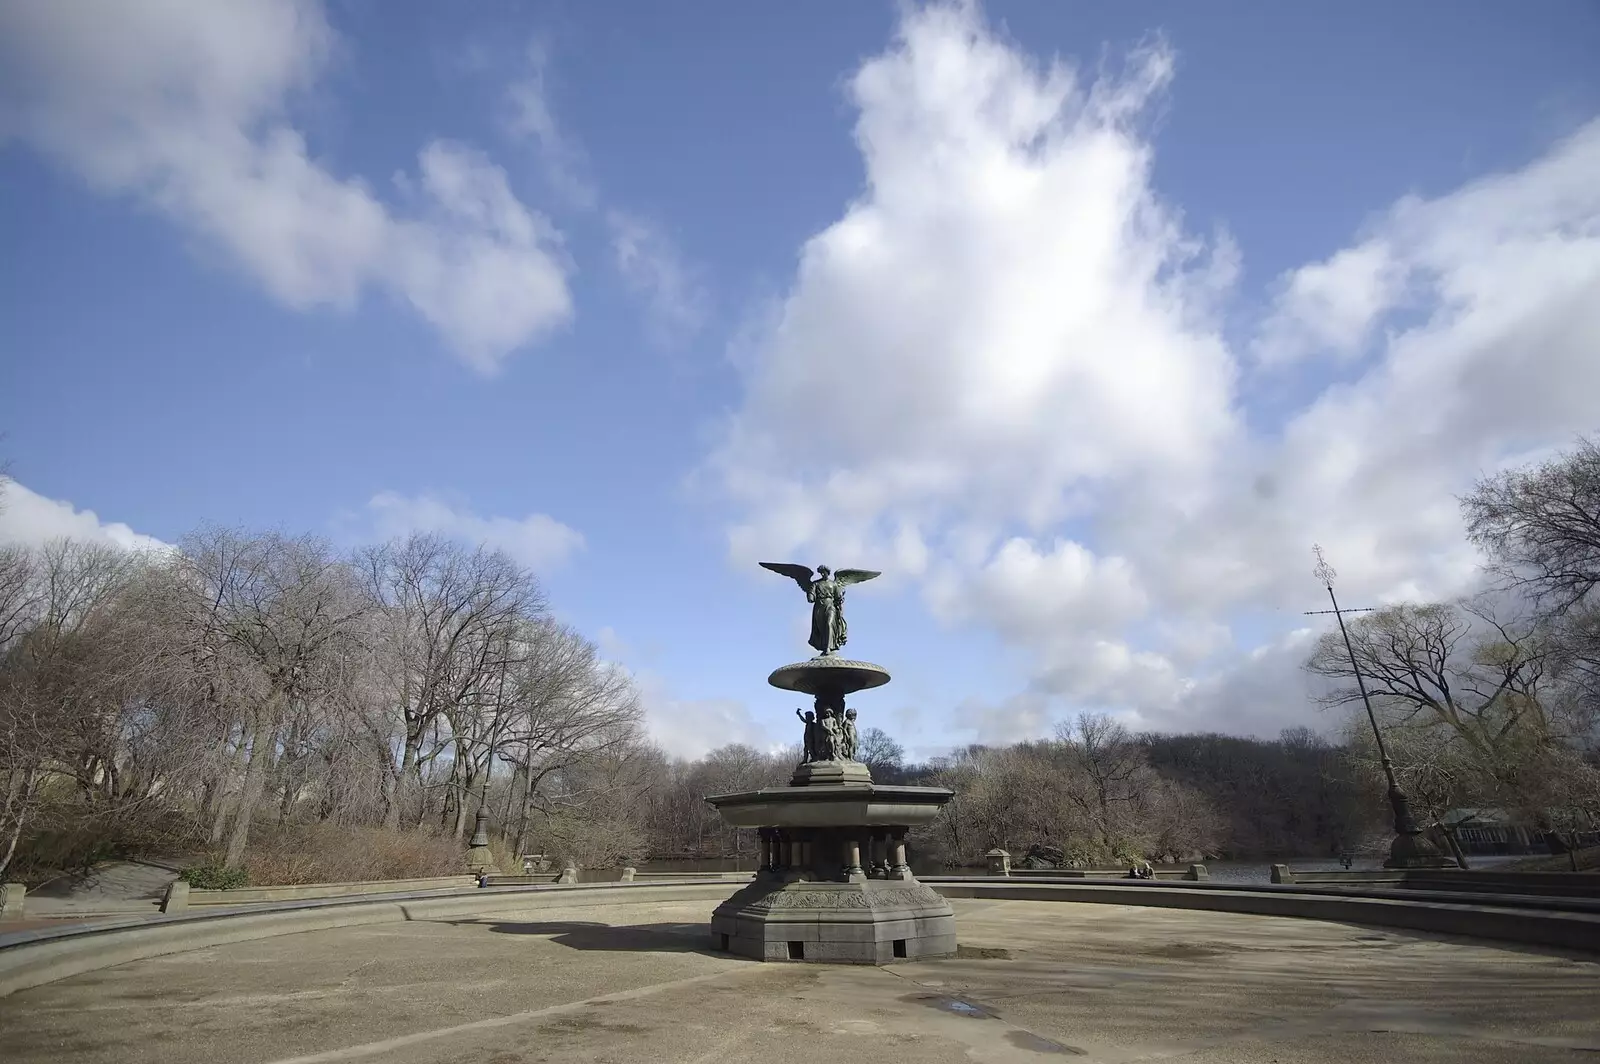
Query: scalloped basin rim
(845,806)
(857,792)
(825,674)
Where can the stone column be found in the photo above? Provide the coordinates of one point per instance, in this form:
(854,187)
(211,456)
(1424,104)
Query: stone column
(877,844)
(898,869)
(763,849)
(852,860)
(796,854)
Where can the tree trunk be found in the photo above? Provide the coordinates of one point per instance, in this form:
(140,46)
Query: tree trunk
(511,796)
(525,819)
(255,777)
(17,799)
(408,765)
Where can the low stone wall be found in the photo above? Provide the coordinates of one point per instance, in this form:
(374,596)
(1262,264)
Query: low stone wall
(307,891)
(1488,881)
(624,875)
(1575,926)
(1192,873)
(31,958)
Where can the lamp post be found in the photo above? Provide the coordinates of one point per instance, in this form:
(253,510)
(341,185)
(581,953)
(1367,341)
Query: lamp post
(1410,848)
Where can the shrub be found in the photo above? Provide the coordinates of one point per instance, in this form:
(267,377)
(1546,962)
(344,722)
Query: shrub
(328,853)
(213,876)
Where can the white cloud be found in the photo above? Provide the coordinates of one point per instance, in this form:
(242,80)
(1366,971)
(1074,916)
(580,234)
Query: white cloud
(532,118)
(651,266)
(1001,370)
(1330,307)
(647,260)
(537,541)
(30,519)
(184,105)
(691,728)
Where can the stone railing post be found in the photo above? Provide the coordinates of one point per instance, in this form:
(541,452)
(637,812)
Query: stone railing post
(176,899)
(999,862)
(628,874)
(1281,874)
(12,898)
(569,874)
(1197,872)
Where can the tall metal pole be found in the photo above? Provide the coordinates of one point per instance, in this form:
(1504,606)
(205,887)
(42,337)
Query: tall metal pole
(1410,848)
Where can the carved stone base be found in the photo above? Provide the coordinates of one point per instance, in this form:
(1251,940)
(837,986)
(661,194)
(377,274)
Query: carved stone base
(874,922)
(1416,850)
(830,773)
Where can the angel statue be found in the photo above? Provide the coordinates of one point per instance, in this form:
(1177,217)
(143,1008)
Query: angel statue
(826,595)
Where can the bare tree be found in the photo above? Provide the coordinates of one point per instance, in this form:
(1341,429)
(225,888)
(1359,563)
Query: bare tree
(444,613)
(53,701)
(883,756)
(1105,770)
(277,604)
(1483,680)
(1541,526)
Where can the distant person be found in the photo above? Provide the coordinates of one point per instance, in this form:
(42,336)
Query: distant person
(1346,860)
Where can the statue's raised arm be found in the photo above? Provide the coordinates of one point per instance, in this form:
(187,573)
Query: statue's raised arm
(825,591)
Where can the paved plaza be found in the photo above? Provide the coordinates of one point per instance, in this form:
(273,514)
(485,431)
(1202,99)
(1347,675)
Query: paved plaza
(1034,981)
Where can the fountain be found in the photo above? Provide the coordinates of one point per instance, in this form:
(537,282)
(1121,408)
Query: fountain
(833,883)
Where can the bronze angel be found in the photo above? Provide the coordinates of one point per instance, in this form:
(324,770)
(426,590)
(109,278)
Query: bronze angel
(825,591)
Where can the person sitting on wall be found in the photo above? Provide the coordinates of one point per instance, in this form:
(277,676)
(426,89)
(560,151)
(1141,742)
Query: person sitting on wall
(1141,870)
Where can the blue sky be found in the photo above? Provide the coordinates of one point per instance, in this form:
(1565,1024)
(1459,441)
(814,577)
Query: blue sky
(1084,356)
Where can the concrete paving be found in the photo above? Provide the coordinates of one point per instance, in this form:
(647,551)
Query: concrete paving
(1034,981)
(114,888)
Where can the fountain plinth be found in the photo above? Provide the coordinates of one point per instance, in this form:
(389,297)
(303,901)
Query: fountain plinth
(833,884)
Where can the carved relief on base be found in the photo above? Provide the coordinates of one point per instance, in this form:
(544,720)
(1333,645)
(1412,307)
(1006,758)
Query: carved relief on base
(911,896)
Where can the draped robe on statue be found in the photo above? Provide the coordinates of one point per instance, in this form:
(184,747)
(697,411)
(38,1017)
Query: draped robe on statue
(828,629)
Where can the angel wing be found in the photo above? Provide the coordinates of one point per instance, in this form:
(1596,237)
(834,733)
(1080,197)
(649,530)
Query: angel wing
(800,574)
(855,576)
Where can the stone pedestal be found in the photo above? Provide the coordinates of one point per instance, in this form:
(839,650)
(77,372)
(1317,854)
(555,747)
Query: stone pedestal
(824,773)
(480,861)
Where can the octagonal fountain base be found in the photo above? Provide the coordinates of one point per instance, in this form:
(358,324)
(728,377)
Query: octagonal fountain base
(834,884)
(872,922)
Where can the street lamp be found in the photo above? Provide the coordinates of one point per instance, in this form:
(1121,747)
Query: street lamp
(1410,848)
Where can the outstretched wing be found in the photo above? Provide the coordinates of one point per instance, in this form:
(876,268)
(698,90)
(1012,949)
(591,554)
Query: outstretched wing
(855,576)
(800,574)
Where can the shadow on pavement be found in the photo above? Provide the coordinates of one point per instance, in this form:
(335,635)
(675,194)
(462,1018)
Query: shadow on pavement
(646,938)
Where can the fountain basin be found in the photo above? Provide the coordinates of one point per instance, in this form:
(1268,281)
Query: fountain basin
(827,677)
(821,805)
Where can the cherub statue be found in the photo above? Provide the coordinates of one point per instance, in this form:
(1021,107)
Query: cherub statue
(810,741)
(831,732)
(826,595)
(848,728)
